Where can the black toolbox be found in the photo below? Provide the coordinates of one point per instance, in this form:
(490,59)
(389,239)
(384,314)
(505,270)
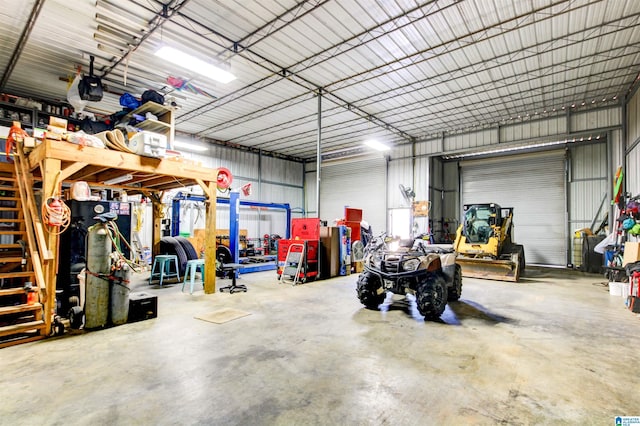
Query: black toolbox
(142,306)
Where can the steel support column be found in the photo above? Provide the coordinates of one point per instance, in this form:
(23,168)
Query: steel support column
(319,153)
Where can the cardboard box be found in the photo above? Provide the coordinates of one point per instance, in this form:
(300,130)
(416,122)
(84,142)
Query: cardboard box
(329,252)
(631,252)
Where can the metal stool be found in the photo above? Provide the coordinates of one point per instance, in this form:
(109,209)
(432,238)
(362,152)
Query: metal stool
(192,266)
(164,262)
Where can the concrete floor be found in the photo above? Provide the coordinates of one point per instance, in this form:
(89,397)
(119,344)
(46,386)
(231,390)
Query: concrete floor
(553,349)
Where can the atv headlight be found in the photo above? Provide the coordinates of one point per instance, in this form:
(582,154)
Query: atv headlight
(410,265)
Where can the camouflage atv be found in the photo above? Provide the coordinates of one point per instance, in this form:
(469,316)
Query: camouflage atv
(429,272)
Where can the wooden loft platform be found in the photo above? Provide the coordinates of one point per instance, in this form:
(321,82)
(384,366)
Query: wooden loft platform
(95,166)
(54,162)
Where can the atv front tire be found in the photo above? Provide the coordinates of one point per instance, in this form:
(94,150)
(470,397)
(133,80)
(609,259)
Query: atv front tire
(455,291)
(370,291)
(431,296)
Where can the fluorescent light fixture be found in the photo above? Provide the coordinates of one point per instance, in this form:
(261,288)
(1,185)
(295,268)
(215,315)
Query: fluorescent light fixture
(189,146)
(521,147)
(371,143)
(185,60)
(119,179)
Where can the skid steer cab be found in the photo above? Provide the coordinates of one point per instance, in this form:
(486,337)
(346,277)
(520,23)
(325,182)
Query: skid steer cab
(484,243)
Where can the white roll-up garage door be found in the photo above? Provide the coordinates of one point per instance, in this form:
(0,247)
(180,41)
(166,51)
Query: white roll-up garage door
(360,185)
(533,184)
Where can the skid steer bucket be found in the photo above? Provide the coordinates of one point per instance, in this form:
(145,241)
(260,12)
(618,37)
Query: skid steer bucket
(501,270)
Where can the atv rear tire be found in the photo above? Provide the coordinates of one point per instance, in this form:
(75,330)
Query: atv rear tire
(431,296)
(370,290)
(455,291)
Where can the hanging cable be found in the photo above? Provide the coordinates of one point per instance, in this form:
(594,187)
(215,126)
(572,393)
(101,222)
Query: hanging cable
(56,214)
(116,237)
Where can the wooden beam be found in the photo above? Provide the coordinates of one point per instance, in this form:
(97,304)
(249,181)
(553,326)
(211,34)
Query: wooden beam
(205,187)
(71,169)
(87,174)
(210,240)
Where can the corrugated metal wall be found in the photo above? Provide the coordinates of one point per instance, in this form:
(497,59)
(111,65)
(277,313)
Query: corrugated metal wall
(534,129)
(588,191)
(588,185)
(436,188)
(480,138)
(273,180)
(443,190)
(357,184)
(531,129)
(401,172)
(633,145)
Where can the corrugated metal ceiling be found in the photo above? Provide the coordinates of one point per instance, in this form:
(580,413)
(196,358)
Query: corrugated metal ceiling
(396,70)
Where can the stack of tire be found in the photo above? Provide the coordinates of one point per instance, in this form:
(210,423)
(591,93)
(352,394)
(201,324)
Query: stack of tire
(181,247)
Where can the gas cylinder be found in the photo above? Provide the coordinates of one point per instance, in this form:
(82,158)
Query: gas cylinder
(119,307)
(97,281)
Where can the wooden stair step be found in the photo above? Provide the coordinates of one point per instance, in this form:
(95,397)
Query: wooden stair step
(17,259)
(22,274)
(24,327)
(19,309)
(12,291)
(8,187)
(10,246)
(12,232)
(10,220)
(9,209)
(4,198)
(21,340)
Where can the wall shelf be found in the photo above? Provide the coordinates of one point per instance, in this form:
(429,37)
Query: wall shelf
(163,125)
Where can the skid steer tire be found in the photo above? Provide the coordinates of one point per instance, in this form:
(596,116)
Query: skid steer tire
(455,291)
(431,297)
(519,248)
(370,290)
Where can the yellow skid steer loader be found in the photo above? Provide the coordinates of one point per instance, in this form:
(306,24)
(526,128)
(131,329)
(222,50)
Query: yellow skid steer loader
(484,244)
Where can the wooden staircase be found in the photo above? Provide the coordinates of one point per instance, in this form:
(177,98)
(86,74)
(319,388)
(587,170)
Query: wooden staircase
(20,320)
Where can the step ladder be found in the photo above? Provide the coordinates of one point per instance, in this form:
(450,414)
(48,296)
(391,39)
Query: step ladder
(293,264)
(21,320)
(136,244)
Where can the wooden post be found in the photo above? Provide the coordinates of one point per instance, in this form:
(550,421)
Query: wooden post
(50,187)
(210,239)
(158,212)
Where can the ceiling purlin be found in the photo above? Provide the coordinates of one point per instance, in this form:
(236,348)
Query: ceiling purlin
(160,18)
(333,135)
(277,70)
(22,41)
(279,22)
(368,35)
(483,34)
(262,112)
(448,47)
(497,62)
(507,84)
(326,114)
(520,96)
